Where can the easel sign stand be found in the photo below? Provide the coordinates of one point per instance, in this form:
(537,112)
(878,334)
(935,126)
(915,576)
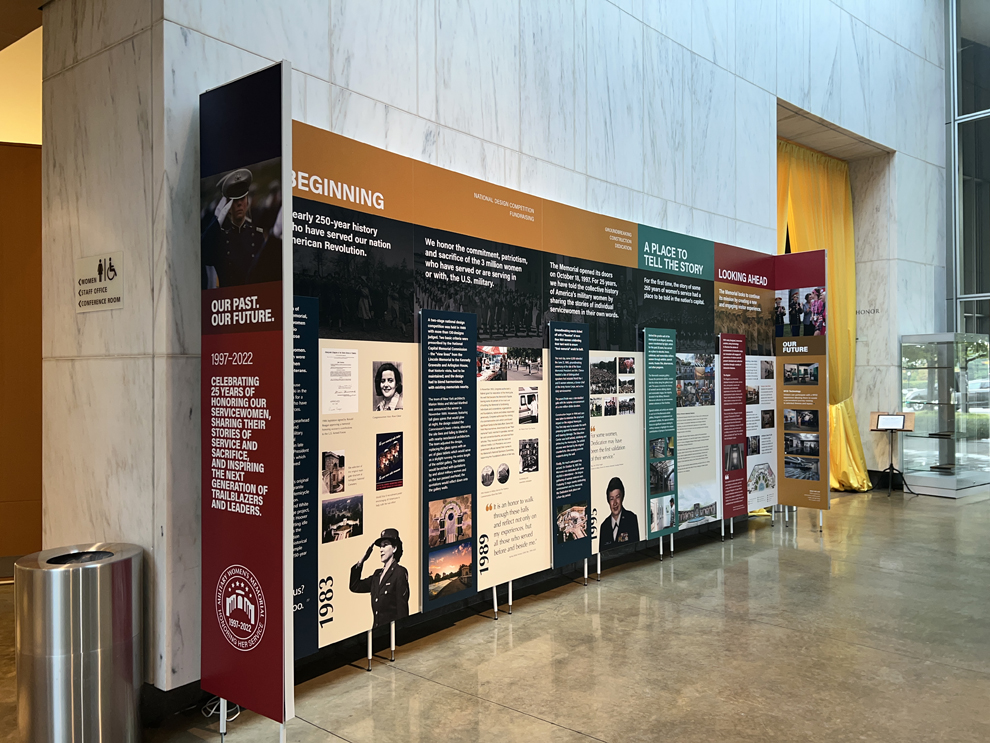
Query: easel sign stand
(891,423)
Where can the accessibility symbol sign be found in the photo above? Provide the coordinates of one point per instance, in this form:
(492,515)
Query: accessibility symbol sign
(99,285)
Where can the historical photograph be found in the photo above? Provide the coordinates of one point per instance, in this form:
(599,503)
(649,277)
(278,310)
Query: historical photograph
(662,447)
(621,526)
(450,520)
(388,467)
(389,584)
(529,455)
(611,406)
(752,445)
(752,395)
(492,366)
(766,369)
(627,385)
(572,522)
(797,374)
(332,480)
(343,518)
(695,394)
(695,379)
(524,364)
(603,376)
(241,226)
(487,476)
(597,407)
(662,477)
(801,443)
(627,365)
(451,569)
(800,420)
(734,457)
(801,468)
(387,387)
(627,406)
(529,405)
(766,419)
(502,473)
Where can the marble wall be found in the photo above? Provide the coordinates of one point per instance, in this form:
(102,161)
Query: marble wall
(660,112)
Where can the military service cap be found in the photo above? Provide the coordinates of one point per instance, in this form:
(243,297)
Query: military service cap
(237,184)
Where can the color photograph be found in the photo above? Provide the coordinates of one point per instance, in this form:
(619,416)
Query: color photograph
(662,477)
(572,522)
(800,312)
(627,406)
(451,569)
(450,520)
(752,445)
(597,407)
(627,385)
(343,518)
(800,420)
(752,395)
(798,374)
(766,369)
(388,466)
(766,418)
(662,447)
(492,366)
(800,468)
(611,406)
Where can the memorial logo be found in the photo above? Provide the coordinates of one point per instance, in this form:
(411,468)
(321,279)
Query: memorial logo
(240,605)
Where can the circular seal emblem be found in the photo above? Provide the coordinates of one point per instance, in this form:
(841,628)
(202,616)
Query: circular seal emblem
(240,605)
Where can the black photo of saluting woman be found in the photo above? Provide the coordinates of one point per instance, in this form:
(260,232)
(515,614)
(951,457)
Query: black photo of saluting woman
(389,584)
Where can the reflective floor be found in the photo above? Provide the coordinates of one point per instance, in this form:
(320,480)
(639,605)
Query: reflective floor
(875,630)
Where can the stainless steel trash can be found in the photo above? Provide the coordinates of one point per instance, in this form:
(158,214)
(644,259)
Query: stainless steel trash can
(78,643)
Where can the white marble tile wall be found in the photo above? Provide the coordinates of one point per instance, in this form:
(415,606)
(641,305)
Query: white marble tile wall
(654,111)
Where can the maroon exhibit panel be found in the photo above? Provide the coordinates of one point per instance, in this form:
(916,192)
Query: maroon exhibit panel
(732,365)
(245,348)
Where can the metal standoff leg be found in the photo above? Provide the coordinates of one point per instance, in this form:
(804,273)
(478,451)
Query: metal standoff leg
(495,601)
(773,515)
(510,597)
(369,649)
(586,571)
(786,510)
(661,549)
(599,566)
(820,522)
(281,732)
(392,628)
(671,545)
(223,719)
(723,530)
(732,529)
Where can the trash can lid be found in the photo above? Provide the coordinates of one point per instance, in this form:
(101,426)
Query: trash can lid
(78,556)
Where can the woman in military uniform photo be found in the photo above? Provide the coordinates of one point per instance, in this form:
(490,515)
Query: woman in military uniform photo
(389,584)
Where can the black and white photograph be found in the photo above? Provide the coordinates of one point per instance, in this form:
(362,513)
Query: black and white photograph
(572,522)
(604,380)
(529,455)
(487,476)
(387,385)
(450,520)
(451,569)
(241,226)
(597,407)
(627,385)
(766,419)
(662,447)
(801,374)
(801,468)
(502,473)
(805,444)
(332,479)
(766,369)
(388,466)
(752,445)
(627,406)
(752,395)
(734,457)
(343,518)
(611,406)
(387,585)
(529,405)
(800,420)
(662,478)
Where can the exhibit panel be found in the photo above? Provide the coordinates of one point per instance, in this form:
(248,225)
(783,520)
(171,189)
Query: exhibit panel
(246,281)
(660,360)
(800,310)
(734,398)
(744,290)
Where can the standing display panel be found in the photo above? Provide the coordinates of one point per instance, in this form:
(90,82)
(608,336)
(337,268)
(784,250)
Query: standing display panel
(448,366)
(660,359)
(570,479)
(802,378)
(245,146)
(744,304)
(734,398)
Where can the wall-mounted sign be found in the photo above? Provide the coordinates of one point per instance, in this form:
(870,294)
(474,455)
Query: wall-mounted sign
(99,284)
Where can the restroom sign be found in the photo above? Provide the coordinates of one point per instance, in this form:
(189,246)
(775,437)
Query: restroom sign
(99,284)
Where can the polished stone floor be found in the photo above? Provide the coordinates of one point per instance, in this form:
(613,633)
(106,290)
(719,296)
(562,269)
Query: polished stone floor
(875,630)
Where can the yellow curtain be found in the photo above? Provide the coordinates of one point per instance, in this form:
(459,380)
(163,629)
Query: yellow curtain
(814,203)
